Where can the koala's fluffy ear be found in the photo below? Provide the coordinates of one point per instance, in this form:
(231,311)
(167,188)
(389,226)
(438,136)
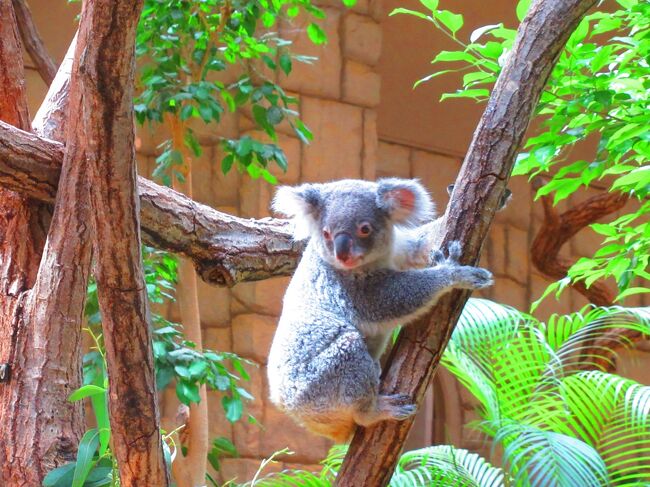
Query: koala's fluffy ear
(302,204)
(405,200)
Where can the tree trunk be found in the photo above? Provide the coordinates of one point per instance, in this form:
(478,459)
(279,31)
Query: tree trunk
(32,433)
(225,249)
(106,74)
(33,42)
(482,180)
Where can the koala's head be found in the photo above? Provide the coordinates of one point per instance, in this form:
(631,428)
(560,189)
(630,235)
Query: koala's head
(351,221)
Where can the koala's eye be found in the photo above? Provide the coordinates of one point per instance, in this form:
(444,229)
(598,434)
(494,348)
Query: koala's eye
(364,229)
(327,234)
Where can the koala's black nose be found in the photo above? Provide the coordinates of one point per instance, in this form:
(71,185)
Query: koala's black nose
(342,246)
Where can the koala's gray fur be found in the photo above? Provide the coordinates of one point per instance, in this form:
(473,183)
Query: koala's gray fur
(347,295)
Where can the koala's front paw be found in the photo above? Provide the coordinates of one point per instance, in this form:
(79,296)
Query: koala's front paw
(475,277)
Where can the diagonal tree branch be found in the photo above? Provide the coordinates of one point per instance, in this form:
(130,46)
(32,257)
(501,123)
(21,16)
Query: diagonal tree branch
(225,249)
(374,451)
(33,43)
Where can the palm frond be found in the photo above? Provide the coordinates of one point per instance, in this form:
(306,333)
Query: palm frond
(544,458)
(444,465)
(612,414)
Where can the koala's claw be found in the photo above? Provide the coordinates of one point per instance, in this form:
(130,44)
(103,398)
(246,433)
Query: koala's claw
(453,251)
(401,406)
(404,412)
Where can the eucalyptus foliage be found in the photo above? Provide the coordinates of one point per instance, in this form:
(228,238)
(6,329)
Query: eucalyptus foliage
(597,95)
(187,47)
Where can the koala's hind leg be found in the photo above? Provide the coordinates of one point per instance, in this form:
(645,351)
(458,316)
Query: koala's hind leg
(395,406)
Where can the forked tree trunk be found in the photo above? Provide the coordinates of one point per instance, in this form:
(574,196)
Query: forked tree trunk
(482,180)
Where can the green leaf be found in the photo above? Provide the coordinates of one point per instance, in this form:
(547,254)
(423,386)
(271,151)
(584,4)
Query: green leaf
(274,115)
(450,20)
(86,391)
(60,476)
(233,408)
(285,62)
(316,34)
(407,11)
(477,33)
(522,9)
(187,392)
(85,454)
(430,4)
(448,56)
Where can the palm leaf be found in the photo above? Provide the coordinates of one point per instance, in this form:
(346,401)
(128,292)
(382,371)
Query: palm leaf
(612,414)
(444,465)
(544,458)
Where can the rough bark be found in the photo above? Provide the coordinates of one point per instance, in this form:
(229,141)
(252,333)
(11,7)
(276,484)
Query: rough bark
(44,427)
(23,225)
(106,74)
(557,229)
(33,43)
(49,121)
(225,249)
(482,180)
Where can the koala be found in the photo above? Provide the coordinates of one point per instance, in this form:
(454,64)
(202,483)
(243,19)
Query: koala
(357,280)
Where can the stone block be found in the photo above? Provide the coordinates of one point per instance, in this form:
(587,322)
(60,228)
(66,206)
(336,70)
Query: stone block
(361,39)
(281,431)
(210,185)
(336,151)
(497,249)
(370,145)
(255,197)
(507,291)
(214,304)
(217,339)
(323,76)
(393,160)
(247,436)
(263,297)
(518,213)
(517,254)
(436,172)
(361,85)
(252,336)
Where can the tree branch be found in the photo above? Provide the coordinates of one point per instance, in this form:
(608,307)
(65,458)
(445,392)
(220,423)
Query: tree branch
(225,249)
(557,229)
(33,43)
(479,187)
